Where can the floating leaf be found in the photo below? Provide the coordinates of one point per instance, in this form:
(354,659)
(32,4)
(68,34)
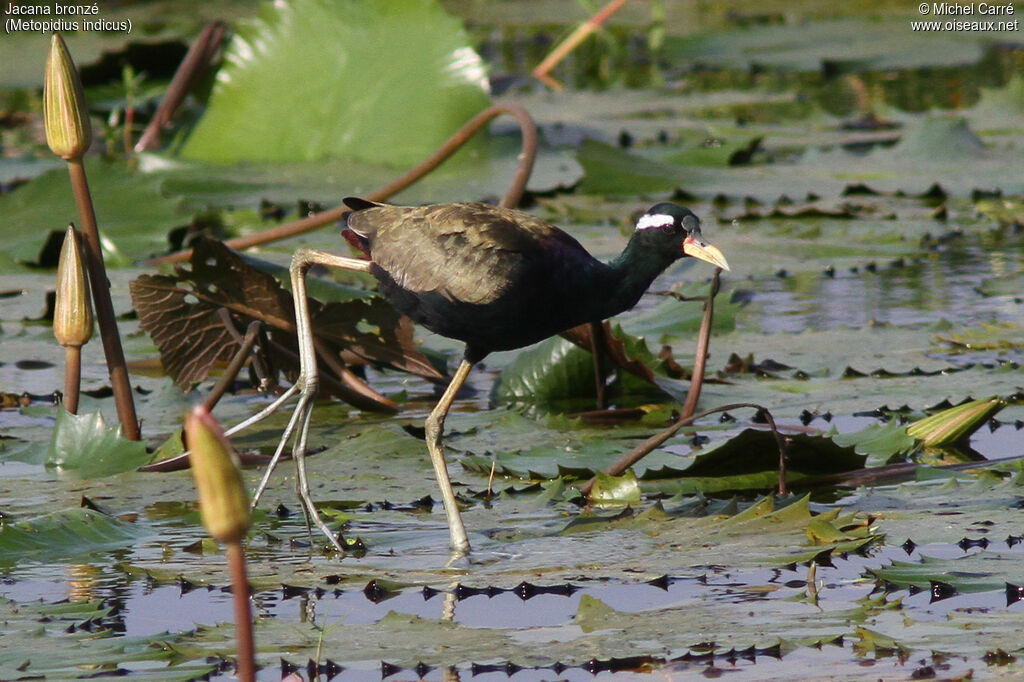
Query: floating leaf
(715,152)
(64,533)
(977,572)
(85,447)
(131,208)
(553,370)
(940,138)
(842,42)
(593,614)
(986,336)
(181,314)
(384,82)
(879,440)
(755,450)
(615,491)
(611,171)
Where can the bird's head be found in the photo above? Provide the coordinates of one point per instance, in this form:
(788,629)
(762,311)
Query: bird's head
(674,227)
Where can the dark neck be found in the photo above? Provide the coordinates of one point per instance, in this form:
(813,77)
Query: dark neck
(627,278)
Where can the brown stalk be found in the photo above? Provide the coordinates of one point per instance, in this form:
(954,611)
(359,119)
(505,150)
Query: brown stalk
(246,664)
(224,511)
(696,381)
(236,364)
(72,377)
(645,448)
(700,357)
(105,317)
(449,147)
(570,44)
(597,351)
(687,416)
(199,56)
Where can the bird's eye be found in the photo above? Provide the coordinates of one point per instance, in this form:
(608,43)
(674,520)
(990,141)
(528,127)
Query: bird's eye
(691,223)
(668,228)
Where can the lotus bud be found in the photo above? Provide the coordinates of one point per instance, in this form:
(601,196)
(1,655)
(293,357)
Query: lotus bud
(72,314)
(956,423)
(65,114)
(223,502)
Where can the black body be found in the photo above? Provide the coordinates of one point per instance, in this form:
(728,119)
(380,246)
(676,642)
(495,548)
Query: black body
(500,279)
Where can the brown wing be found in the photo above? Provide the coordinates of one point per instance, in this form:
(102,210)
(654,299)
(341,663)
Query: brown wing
(466,252)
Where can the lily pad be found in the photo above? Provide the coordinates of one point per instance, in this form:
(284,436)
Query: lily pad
(341,94)
(83,446)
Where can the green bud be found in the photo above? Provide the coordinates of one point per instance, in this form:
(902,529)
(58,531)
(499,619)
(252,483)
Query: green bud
(65,114)
(72,314)
(956,423)
(223,502)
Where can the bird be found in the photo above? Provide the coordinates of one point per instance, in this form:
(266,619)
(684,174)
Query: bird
(494,278)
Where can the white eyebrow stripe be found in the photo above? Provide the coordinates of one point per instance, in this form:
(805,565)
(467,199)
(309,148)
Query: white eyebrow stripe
(654,220)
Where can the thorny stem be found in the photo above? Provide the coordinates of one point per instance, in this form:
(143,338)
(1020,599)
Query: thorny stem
(105,317)
(246,670)
(461,136)
(72,377)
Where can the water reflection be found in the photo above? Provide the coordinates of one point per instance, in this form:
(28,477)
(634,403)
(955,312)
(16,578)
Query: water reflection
(942,286)
(624,59)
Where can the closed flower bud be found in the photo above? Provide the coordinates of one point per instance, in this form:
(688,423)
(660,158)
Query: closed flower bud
(72,314)
(956,423)
(223,502)
(65,114)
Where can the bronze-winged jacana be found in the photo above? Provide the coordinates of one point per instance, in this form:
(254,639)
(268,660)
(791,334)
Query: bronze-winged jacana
(494,278)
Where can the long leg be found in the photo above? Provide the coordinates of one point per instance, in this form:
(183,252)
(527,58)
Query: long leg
(435,426)
(308,381)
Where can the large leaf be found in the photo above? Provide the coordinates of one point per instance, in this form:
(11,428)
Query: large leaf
(84,446)
(132,210)
(558,370)
(879,441)
(611,171)
(65,533)
(181,314)
(382,81)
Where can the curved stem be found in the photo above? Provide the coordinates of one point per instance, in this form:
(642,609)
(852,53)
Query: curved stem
(449,147)
(700,357)
(645,448)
